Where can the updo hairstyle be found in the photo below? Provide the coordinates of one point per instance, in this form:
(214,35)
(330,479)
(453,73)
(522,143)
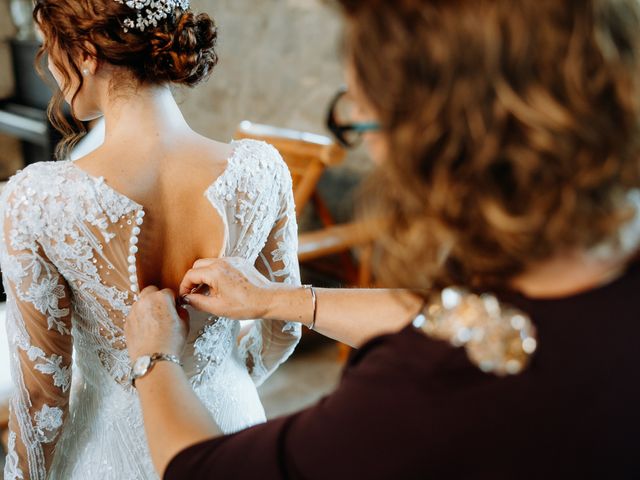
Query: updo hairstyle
(179,50)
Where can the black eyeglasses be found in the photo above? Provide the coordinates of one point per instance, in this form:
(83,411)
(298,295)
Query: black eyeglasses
(347,133)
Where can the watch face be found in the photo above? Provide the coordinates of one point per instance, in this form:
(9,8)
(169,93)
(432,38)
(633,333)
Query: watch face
(141,365)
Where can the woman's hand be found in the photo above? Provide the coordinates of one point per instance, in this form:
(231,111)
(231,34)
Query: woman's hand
(155,326)
(235,289)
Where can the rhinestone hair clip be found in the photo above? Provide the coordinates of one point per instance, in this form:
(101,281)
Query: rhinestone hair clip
(150,12)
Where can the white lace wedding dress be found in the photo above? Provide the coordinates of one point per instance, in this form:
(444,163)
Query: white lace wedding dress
(68,261)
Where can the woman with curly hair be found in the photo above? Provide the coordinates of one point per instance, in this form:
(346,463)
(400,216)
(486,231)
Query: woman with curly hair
(507,199)
(80,239)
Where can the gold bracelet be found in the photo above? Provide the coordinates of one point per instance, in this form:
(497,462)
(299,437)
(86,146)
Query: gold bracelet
(314,300)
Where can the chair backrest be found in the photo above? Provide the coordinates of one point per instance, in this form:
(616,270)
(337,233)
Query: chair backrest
(306,154)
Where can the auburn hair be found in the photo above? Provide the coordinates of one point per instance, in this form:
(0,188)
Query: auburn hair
(180,49)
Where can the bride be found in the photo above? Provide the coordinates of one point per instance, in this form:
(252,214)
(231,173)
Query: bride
(81,238)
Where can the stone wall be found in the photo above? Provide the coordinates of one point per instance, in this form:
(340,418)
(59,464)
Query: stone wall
(6,31)
(278,64)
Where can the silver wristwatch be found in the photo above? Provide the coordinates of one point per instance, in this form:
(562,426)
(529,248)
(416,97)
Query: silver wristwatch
(143,365)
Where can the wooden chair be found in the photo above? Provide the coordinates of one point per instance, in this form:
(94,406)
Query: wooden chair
(5,377)
(4,409)
(4,414)
(5,382)
(4,424)
(339,239)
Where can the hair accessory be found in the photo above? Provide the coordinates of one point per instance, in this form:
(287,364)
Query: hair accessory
(498,338)
(150,12)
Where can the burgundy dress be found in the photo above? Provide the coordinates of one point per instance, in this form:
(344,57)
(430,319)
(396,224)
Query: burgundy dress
(412,407)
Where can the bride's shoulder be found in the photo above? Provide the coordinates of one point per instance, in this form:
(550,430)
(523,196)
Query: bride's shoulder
(256,174)
(27,197)
(258,159)
(245,159)
(35,180)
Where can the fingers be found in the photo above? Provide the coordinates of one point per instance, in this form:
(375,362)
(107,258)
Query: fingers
(195,277)
(151,290)
(147,291)
(211,270)
(169,295)
(203,303)
(205,262)
(185,319)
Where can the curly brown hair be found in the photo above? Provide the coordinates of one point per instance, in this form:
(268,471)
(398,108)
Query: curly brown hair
(180,50)
(512,126)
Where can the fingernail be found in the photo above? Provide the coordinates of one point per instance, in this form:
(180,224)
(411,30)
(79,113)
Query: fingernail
(185,299)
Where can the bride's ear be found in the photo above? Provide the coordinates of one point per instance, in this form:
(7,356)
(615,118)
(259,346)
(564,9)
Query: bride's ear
(90,63)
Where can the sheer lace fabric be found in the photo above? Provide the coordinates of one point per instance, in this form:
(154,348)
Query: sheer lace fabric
(68,243)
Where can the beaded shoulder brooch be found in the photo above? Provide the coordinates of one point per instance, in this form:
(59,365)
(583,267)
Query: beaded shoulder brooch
(498,339)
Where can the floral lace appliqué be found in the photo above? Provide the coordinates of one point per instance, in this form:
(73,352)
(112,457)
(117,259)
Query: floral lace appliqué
(48,423)
(53,366)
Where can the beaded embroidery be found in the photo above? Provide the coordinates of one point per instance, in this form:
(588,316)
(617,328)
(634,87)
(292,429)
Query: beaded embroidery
(498,339)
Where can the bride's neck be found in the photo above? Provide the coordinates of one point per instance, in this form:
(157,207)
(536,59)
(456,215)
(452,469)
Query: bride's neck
(147,116)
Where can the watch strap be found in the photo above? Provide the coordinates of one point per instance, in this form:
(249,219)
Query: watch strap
(155,358)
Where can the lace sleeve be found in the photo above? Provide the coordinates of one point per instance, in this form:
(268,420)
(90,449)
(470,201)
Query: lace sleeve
(38,326)
(269,342)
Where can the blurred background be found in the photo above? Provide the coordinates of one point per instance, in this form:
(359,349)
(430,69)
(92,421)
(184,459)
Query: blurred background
(279,67)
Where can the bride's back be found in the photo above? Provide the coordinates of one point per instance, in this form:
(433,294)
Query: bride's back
(81,239)
(69,261)
(169,180)
(118,61)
